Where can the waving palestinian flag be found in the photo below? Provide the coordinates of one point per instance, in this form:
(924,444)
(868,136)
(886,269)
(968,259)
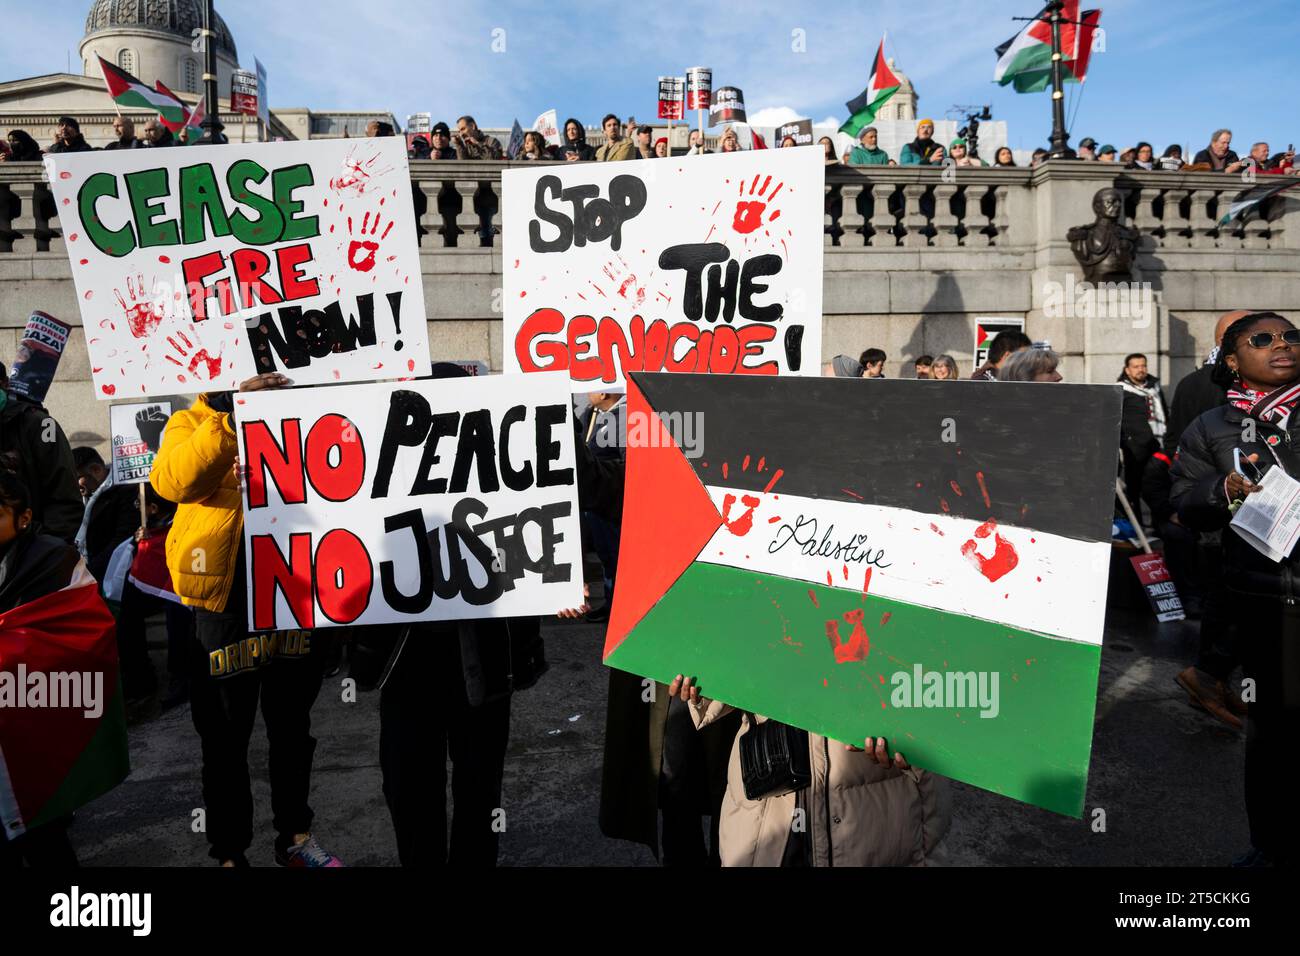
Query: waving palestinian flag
(188,130)
(127,91)
(887,558)
(1250,200)
(61,745)
(880,87)
(1025,61)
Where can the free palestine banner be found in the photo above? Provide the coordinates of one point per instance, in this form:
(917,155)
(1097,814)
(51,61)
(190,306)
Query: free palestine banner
(416,501)
(913,560)
(196,270)
(695,264)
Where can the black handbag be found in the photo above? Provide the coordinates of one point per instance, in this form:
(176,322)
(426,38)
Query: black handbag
(773,759)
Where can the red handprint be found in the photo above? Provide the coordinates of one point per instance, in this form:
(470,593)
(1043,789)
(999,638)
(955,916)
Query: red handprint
(749,212)
(1004,557)
(201,359)
(741,525)
(356,175)
(858,646)
(361,252)
(142,311)
(627,285)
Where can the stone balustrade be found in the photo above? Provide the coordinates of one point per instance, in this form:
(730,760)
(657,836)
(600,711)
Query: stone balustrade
(458,206)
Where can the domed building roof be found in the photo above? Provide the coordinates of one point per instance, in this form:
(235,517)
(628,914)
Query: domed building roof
(177,18)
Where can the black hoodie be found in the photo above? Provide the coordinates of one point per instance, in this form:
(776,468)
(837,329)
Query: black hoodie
(580,148)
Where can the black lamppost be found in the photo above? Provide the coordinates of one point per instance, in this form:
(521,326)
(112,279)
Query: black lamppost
(212,135)
(1060,137)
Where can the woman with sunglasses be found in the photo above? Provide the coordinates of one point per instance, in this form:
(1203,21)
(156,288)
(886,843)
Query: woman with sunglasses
(1259,364)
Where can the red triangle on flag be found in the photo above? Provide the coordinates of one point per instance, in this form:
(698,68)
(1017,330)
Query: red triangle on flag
(882,76)
(665,533)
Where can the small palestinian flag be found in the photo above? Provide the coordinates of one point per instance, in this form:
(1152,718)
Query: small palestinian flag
(880,87)
(188,130)
(1251,199)
(1025,60)
(62,723)
(879,558)
(126,90)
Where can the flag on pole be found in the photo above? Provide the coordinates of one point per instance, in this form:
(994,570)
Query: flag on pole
(176,126)
(880,87)
(516,141)
(1025,60)
(193,130)
(126,90)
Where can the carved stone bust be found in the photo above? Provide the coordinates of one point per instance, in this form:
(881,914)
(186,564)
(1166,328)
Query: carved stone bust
(1106,248)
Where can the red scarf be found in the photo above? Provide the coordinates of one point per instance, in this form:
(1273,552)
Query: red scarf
(1274,407)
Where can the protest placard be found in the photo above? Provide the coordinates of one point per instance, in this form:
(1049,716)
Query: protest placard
(198,270)
(800,130)
(708,264)
(426,500)
(137,429)
(987,328)
(699,86)
(546,125)
(672,97)
(826,568)
(728,106)
(243,92)
(37,356)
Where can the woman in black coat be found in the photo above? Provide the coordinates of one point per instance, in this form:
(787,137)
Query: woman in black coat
(1259,364)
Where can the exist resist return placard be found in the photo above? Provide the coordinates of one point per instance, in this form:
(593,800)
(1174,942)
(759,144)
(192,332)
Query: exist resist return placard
(688,264)
(197,269)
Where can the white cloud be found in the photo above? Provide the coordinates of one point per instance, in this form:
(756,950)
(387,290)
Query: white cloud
(774,116)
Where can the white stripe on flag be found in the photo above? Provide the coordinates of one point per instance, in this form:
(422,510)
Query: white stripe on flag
(1057,585)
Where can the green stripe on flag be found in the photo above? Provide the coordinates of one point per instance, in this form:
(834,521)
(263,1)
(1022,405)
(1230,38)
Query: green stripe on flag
(98,769)
(864,118)
(774,657)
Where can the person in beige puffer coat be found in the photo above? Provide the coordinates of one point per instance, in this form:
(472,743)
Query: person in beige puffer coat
(862,809)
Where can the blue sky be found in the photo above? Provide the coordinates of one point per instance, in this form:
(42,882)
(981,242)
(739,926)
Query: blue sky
(1169,73)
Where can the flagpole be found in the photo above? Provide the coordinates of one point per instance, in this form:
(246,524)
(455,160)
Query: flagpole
(212,135)
(1060,136)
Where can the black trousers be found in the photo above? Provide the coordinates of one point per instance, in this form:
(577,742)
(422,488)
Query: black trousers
(424,718)
(224,708)
(43,848)
(684,794)
(1269,642)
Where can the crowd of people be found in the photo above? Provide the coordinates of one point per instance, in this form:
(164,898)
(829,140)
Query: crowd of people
(632,140)
(925,150)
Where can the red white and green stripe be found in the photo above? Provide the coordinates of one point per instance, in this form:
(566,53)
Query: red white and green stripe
(832,569)
(127,91)
(866,105)
(56,757)
(188,130)
(1025,60)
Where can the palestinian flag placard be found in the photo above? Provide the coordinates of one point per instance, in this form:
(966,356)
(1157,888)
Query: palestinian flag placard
(881,85)
(126,90)
(921,561)
(62,722)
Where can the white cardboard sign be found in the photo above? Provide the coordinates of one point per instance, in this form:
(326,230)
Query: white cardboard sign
(687,264)
(426,500)
(197,268)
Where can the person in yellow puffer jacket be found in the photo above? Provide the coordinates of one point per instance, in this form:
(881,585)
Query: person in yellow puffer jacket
(197,467)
